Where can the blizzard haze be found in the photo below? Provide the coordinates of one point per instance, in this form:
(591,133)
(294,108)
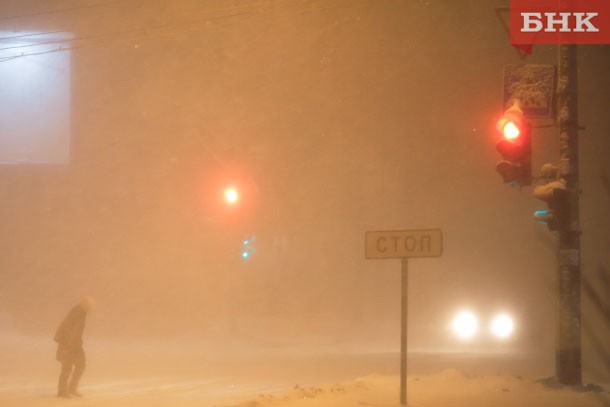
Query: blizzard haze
(330,118)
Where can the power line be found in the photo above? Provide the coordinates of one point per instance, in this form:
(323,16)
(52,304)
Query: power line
(238,7)
(101,39)
(109,36)
(30,35)
(63,10)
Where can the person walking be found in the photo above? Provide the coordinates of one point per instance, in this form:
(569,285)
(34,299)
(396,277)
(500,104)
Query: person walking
(70,352)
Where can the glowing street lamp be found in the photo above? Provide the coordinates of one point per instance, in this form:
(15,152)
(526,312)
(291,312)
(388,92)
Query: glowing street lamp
(231,195)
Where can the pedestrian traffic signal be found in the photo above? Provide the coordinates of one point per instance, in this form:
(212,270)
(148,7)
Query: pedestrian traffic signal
(556,197)
(515,147)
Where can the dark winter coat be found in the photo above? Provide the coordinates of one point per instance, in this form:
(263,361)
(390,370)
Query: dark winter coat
(69,335)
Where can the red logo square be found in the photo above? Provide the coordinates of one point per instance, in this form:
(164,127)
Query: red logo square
(559,22)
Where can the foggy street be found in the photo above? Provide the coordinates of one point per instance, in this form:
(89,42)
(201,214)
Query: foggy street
(301,203)
(230,376)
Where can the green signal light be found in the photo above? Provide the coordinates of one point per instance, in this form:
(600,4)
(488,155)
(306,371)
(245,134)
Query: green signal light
(248,249)
(542,216)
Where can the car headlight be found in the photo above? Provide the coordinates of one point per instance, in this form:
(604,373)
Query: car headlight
(465,324)
(502,326)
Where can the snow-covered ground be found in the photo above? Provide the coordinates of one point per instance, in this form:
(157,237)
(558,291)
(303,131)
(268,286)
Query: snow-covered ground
(151,374)
(447,388)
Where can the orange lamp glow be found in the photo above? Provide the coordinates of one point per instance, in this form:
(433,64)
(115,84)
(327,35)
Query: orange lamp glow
(231,195)
(511,123)
(510,131)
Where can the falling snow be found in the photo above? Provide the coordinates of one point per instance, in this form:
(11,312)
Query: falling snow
(123,124)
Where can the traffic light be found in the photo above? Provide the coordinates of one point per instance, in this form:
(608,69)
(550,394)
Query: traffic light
(515,147)
(556,197)
(248,249)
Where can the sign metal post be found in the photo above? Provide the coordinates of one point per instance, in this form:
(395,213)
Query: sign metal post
(403,244)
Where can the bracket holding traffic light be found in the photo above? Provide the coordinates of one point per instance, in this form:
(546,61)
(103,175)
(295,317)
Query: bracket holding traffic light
(515,147)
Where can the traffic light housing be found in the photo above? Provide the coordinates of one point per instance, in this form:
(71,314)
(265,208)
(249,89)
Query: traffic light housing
(556,197)
(515,147)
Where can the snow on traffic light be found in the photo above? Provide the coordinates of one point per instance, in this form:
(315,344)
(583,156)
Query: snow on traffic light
(556,197)
(515,147)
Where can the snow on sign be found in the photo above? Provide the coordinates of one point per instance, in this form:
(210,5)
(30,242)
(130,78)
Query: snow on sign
(532,85)
(396,244)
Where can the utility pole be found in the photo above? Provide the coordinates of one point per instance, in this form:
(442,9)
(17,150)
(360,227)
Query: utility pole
(568,349)
(562,195)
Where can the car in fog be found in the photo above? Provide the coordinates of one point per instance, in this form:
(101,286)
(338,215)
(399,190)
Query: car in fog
(467,325)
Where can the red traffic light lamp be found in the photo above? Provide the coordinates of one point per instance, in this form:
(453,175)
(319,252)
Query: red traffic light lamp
(515,147)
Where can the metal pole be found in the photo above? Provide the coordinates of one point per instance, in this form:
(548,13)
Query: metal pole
(568,351)
(404,275)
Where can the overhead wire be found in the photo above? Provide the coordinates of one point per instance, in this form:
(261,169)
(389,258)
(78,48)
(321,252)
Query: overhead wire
(63,10)
(243,6)
(95,41)
(128,32)
(100,39)
(14,37)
